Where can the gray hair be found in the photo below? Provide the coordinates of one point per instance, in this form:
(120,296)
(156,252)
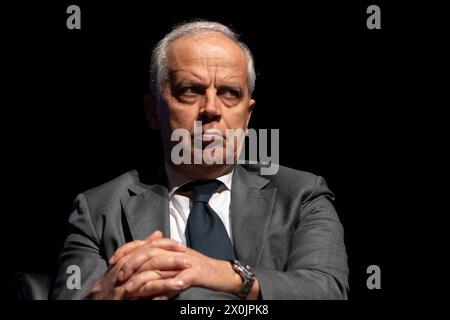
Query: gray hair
(159,72)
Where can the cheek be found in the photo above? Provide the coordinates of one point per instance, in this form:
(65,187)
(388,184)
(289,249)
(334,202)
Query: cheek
(236,119)
(182,118)
(178,116)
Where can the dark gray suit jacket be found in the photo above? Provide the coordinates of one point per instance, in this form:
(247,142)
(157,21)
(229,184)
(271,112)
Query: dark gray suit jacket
(284,226)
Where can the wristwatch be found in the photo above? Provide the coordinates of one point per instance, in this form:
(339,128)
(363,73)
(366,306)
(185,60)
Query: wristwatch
(247,276)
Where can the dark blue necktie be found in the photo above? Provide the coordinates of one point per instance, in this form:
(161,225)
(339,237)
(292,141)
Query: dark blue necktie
(205,231)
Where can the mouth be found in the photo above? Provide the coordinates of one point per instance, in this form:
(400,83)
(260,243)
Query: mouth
(208,136)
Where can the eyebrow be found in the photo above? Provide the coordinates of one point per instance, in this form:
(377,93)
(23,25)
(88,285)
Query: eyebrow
(230,87)
(194,79)
(182,83)
(191,82)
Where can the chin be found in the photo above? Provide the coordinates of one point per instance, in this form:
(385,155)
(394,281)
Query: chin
(204,171)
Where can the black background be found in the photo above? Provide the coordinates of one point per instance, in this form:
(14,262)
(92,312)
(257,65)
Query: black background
(366,109)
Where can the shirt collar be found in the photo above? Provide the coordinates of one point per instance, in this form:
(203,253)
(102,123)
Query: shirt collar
(177,180)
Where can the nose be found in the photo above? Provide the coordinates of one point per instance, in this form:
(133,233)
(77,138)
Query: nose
(211,106)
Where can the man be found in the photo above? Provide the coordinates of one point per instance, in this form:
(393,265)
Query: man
(210,231)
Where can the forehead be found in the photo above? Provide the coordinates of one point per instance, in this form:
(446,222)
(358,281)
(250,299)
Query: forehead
(206,50)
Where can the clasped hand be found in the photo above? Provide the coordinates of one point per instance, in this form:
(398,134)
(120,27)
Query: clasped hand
(159,268)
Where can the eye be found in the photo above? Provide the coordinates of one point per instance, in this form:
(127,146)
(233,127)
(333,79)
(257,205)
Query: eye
(189,91)
(230,93)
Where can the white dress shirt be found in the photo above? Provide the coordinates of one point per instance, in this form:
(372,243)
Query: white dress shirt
(180,204)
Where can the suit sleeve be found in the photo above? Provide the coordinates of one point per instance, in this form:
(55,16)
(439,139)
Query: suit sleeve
(316,267)
(81,252)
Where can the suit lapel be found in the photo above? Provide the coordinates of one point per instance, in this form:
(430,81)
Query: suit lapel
(251,209)
(147,211)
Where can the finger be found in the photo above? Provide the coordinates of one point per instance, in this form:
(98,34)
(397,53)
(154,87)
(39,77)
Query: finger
(130,246)
(193,252)
(166,295)
(168,244)
(155,235)
(156,259)
(189,277)
(137,280)
(134,260)
(158,288)
(124,250)
(166,263)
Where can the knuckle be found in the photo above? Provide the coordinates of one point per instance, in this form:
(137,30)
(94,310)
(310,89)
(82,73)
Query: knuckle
(159,274)
(153,263)
(148,253)
(139,278)
(180,261)
(126,266)
(171,260)
(119,264)
(148,286)
(197,268)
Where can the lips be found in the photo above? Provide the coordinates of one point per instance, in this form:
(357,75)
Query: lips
(211,134)
(208,136)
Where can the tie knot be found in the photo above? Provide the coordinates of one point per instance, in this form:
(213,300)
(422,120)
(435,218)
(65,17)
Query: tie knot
(203,190)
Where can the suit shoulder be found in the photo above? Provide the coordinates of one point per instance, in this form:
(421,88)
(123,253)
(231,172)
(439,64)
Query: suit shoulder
(285,176)
(301,178)
(307,183)
(291,182)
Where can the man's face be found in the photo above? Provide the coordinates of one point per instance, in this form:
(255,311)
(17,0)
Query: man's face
(207,82)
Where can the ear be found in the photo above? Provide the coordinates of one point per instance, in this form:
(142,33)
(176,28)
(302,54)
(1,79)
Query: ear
(251,106)
(151,105)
